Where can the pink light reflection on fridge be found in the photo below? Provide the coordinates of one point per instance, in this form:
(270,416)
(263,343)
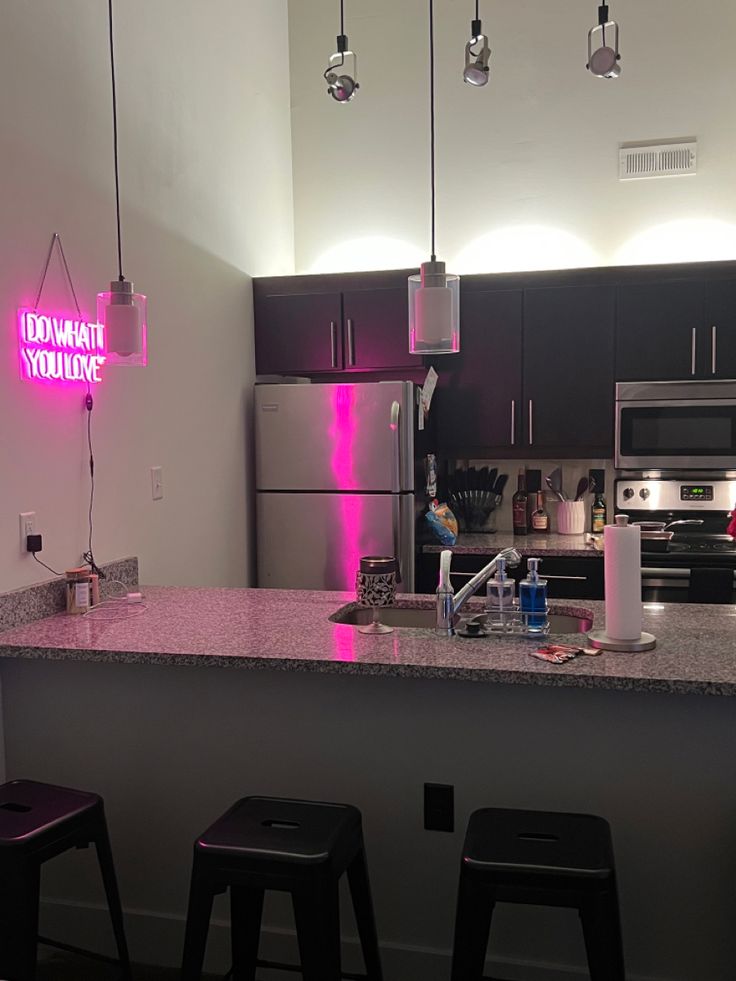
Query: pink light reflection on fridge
(343,433)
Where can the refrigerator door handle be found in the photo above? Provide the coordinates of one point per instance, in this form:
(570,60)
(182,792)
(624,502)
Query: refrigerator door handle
(396,523)
(395,426)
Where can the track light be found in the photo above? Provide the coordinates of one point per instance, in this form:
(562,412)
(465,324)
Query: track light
(477,56)
(341,85)
(604,61)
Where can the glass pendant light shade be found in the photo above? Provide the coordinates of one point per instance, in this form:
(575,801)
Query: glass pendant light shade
(434,311)
(123,315)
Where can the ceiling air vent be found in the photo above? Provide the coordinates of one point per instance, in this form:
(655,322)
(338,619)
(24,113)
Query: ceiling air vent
(665,160)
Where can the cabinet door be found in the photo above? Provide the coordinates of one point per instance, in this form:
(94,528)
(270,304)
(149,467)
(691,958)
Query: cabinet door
(377,329)
(298,333)
(568,369)
(720,330)
(479,401)
(658,335)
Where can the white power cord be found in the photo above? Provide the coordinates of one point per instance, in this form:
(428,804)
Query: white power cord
(121,607)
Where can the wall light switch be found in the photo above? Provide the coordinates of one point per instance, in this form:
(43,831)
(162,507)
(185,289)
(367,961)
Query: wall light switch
(27,527)
(157,483)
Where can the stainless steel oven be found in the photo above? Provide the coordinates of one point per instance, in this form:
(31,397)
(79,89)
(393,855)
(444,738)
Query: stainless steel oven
(687,425)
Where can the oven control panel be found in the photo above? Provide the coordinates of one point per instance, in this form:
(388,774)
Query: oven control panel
(675,495)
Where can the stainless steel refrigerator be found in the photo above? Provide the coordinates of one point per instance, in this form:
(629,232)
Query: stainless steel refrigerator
(335,479)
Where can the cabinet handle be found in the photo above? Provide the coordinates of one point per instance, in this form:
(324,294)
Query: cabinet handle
(513,422)
(333,343)
(351,344)
(692,351)
(531,422)
(713,342)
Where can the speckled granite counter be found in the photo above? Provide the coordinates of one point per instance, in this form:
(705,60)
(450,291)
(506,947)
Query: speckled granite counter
(290,631)
(573,546)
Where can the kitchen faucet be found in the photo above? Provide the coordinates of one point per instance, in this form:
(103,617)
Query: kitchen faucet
(448,604)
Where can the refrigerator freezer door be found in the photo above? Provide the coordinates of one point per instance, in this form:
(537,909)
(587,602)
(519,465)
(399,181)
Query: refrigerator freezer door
(315,541)
(335,437)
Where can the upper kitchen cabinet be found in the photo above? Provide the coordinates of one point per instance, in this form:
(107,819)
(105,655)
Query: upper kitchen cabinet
(299,333)
(479,398)
(719,340)
(376,329)
(568,370)
(661,332)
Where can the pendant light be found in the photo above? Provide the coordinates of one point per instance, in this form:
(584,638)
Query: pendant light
(121,310)
(434,295)
(340,85)
(604,61)
(477,53)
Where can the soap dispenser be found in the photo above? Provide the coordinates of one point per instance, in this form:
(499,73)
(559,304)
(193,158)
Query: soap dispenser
(533,599)
(500,597)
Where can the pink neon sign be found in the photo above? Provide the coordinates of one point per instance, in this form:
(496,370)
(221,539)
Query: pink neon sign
(59,348)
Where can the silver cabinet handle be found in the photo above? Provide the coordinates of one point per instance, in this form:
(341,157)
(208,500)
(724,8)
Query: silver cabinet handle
(351,344)
(692,351)
(513,422)
(333,343)
(531,422)
(713,355)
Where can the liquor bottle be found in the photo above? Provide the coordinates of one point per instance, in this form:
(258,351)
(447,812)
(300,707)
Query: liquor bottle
(519,505)
(540,518)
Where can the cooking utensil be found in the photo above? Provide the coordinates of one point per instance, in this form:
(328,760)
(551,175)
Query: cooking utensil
(584,485)
(554,482)
(657,534)
(501,484)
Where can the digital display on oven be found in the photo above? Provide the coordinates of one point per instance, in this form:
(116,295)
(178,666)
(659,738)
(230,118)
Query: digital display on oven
(696,492)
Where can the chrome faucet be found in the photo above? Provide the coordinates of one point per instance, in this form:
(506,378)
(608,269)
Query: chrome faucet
(448,604)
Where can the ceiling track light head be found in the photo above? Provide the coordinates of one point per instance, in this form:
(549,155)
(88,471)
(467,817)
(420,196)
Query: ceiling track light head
(477,57)
(342,84)
(603,62)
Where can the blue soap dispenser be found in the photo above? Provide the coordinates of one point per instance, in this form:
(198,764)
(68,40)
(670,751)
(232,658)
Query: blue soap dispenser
(533,599)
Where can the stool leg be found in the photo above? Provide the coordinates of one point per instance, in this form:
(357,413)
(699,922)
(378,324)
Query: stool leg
(317,914)
(19,921)
(109,879)
(246,910)
(602,931)
(201,896)
(360,889)
(472,928)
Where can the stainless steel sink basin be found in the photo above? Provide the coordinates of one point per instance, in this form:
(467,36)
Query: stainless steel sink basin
(407,616)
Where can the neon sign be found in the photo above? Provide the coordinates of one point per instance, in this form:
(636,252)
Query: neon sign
(58,348)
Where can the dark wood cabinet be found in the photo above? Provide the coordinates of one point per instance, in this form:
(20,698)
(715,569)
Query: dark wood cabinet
(376,329)
(299,333)
(479,400)
(568,369)
(659,333)
(719,340)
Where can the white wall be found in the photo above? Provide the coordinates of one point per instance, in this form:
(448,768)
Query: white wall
(206,185)
(531,160)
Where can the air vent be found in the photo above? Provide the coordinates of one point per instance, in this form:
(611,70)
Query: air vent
(666,160)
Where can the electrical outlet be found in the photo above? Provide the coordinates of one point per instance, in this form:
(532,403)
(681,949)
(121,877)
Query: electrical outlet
(157,483)
(27,527)
(439,807)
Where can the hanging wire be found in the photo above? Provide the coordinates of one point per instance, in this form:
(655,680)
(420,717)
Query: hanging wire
(115,144)
(477,9)
(431,120)
(342,18)
(56,242)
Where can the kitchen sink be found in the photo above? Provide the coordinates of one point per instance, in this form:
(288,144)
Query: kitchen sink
(408,616)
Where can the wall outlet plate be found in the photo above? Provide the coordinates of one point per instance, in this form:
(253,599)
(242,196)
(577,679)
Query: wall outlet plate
(27,521)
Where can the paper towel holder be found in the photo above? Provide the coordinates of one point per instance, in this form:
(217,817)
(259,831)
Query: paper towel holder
(600,640)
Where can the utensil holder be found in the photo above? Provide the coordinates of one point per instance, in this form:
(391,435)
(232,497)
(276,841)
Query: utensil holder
(571,517)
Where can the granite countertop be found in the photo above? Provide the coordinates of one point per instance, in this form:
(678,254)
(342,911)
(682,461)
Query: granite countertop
(290,631)
(574,546)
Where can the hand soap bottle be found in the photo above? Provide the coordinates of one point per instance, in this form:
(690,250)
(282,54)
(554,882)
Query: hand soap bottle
(533,599)
(500,597)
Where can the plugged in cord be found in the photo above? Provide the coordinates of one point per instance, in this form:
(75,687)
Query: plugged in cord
(89,555)
(60,574)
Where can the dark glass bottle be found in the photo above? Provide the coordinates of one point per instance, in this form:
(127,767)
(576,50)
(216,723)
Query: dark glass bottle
(519,503)
(598,513)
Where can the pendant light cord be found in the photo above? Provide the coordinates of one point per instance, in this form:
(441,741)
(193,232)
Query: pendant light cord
(431,121)
(115,145)
(342,18)
(477,9)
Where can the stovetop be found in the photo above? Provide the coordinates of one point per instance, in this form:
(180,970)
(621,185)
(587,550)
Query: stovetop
(707,545)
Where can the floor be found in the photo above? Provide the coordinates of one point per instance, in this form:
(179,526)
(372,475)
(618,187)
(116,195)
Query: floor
(67,967)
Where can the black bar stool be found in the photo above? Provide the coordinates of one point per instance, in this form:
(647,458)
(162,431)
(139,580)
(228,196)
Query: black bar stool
(545,859)
(295,846)
(37,822)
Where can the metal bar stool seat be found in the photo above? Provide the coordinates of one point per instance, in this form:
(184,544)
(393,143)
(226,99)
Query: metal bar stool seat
(39,821)
(295,846)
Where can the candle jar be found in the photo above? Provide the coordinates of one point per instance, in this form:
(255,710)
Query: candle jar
(375,587)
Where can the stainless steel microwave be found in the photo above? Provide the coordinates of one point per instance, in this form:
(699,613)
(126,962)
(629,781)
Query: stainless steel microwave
(687,425)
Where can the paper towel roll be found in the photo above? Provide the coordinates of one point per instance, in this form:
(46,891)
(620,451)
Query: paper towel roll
(622,558)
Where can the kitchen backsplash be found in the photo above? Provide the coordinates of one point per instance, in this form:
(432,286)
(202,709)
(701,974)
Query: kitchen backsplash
(572,471)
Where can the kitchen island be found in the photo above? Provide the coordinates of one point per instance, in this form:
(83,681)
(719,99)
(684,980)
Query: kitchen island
(328,713)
